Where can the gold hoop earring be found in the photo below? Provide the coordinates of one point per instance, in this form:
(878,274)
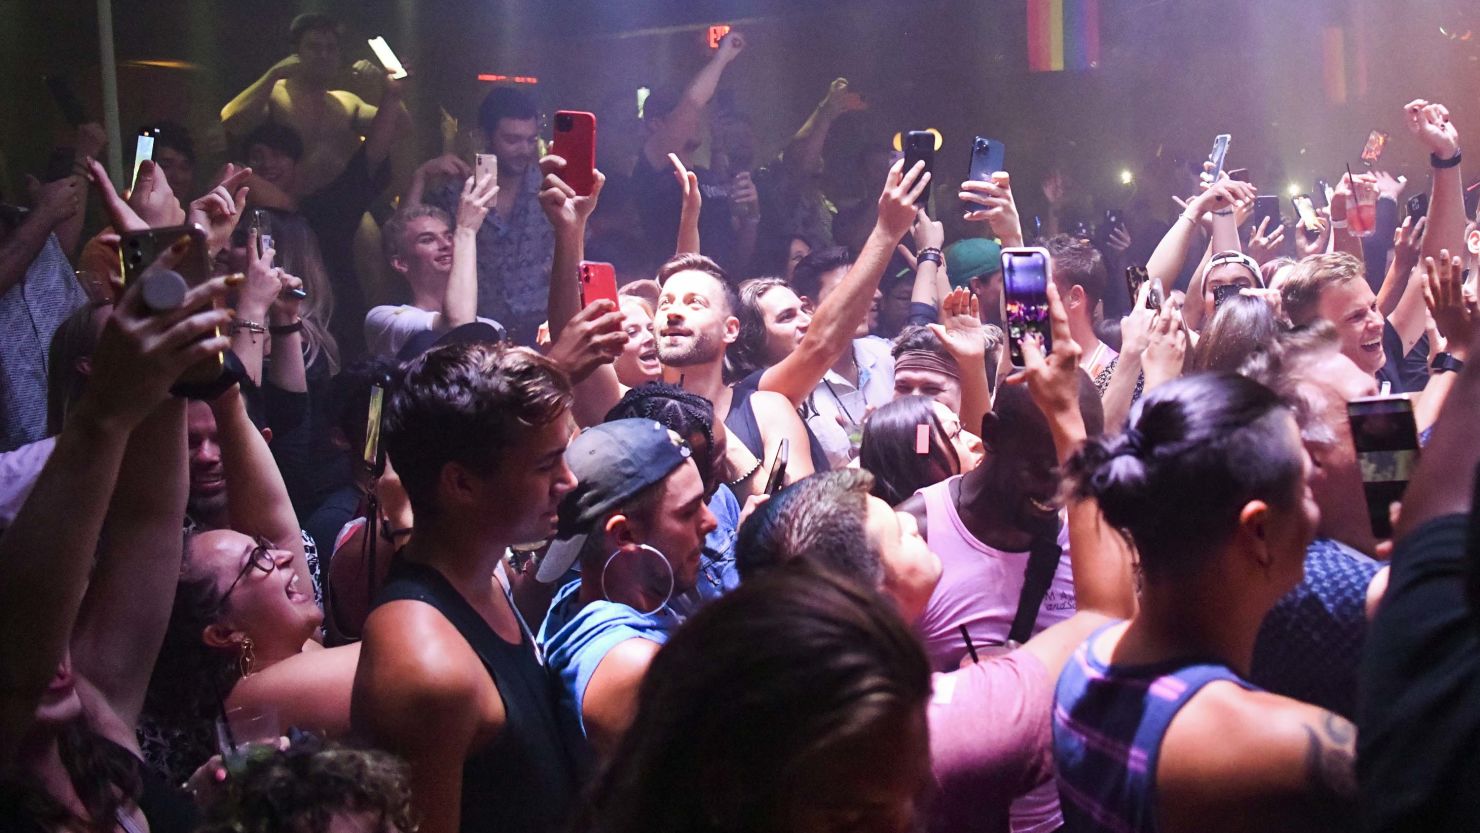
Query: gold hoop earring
(247,658)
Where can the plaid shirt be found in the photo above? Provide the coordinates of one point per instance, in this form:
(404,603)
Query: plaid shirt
(514,258)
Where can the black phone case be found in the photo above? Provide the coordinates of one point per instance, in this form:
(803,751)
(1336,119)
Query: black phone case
(920,146)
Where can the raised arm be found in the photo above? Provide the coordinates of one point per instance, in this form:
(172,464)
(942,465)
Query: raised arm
(1430,124)
(1407,245)
(250,107)
(804,153)
(998,208)
(1100,558)
(837,317)
(1455,317)
(389,123)
(460,301)
(693,203)
(1166,261)
(929,287)
(256,498)
(676,129)
(139,355)
(964,336)
(53,205)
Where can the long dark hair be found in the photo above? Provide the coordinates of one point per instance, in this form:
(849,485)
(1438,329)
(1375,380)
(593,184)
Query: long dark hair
(889,450)
(824,663)
(104,775)
(748,353)
(1198,448)
(189,681)
(1241,326)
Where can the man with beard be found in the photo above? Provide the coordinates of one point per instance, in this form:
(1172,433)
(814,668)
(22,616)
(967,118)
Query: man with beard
(517,243)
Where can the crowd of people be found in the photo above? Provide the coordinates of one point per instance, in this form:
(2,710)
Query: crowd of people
(782,539)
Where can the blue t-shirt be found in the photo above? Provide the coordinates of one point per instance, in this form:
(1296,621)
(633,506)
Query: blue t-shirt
(1310,644)
(575,641)
(717,572)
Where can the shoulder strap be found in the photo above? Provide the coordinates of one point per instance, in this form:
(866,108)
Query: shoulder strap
(1043,562)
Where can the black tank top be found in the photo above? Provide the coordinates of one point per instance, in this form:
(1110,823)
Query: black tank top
(742,424)
(526,780)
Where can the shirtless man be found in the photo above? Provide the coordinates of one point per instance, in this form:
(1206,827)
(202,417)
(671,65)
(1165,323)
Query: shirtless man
(298,92)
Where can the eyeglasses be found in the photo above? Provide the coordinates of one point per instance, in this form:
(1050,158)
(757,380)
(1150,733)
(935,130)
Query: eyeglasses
(260,558)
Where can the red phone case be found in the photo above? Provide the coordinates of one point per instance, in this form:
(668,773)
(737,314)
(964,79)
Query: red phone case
(598,280)
(575,142)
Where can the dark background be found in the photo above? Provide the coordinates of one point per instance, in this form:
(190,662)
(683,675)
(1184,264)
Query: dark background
(1173,73)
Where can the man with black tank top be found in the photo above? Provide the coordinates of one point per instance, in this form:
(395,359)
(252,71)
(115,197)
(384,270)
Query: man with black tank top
(449,677)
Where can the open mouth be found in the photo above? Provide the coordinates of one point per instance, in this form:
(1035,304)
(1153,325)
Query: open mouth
(649,356)
(1046,507)
(444,260)
(1372,346)
(291,590)
(214,481)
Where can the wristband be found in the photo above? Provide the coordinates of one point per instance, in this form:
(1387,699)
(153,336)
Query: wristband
(1436,162)
(287,329)
(1338,224)
(1227,212)
(930,256)
(1446,363)
(254,327)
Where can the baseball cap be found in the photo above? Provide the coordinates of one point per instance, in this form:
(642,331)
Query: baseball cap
(473,332)
(1235,256)
(612,462)
(972,258)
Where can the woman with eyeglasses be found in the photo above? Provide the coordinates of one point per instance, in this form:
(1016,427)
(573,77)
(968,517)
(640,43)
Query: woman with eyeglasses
(244,631)
(901,463)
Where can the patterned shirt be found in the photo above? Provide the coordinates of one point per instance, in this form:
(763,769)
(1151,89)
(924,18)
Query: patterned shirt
(30,312)
(514,258)
(1310,644)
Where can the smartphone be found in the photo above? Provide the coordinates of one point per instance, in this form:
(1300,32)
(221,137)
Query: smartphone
(484,164)
(1219,154)
(1386,439)
(987,157)
(387,58)
(1239,174)
(1154,297)
(1134,277)
(1321,197)
(1223,293)
(1267,208)
(575,142)
(143,149)
(1372,151)
(1025,276)
(1305,212)
(262,224)
(1418,206)
(67,101)
(373,456)
(598,281)
(777,478)
(919,146)
(137,250)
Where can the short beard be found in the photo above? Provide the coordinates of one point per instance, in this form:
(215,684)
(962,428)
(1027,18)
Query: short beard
(702,350)
(206,510)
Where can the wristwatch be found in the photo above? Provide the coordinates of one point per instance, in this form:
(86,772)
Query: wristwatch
(1446,363)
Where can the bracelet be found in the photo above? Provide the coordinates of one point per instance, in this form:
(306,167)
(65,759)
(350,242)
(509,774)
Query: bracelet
(254,327)
(1338,224)
(287,329)
(1227,212)
(930,256)
(1436,162)
(1188,219)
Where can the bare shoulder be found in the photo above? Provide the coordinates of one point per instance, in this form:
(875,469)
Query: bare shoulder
(417,676)
(610,701)
(771,405)
(914,505)
(1262,756)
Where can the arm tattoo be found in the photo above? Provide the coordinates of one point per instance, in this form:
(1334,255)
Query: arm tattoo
(1331,756)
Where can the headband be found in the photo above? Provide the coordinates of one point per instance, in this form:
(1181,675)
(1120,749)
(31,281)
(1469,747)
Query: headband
(928,361)
(1241,259)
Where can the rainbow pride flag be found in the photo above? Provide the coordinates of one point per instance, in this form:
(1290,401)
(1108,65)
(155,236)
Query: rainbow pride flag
(1063,34)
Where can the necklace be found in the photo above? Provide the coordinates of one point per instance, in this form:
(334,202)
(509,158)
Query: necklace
(746,476)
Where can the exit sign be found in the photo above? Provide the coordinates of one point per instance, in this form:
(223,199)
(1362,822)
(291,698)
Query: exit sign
(717,34)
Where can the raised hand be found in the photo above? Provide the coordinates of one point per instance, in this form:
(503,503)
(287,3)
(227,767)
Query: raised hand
(1388,186)
(1053,379)
(1055,189)
(55,202)
(1408,243)
(1135,327)
(565,209)
(1119,239)
(121,215)
(928,233)
(1430,124)
(593,337)
(731,47)
(447,165)
(998,208)
(960,329)
(263,284)
(841,100)
(897,202)
(745,200)
(153,199)
(141,353)
(1223,194)
(1305,246)
(286,68)
(475,200)
(1444,292)
(1265,244)
(218,211)
(1166,347)
(693,199)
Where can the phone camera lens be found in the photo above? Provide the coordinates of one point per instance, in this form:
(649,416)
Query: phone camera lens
(564,123)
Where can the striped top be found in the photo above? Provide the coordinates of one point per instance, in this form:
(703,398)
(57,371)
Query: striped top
(1108,724)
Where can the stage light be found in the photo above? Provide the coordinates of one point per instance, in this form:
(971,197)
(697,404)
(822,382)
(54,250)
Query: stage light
(1293,190)
(1126,177)
(642,97)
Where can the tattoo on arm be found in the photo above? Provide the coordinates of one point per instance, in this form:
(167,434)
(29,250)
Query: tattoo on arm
(1331,757)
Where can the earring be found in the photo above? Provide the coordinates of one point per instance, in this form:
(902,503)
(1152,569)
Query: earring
(634,591)
(247,658)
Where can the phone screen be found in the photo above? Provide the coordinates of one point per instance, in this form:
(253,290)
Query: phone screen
(1372,151)
(142,151)
(1219,154)
(372,430)
(1025,275)
(1306,212)
(387,58)
(1385,436)
(1223,293)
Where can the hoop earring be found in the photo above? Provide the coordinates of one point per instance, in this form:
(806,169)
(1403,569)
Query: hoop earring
(661,559)
(247,658)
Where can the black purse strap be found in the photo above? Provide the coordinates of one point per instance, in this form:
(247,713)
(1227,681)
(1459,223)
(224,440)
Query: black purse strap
(1043,561)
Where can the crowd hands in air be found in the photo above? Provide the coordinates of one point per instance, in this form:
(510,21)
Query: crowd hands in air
(707,554)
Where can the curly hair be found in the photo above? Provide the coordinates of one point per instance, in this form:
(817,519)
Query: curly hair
(747,354)
(302,788)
